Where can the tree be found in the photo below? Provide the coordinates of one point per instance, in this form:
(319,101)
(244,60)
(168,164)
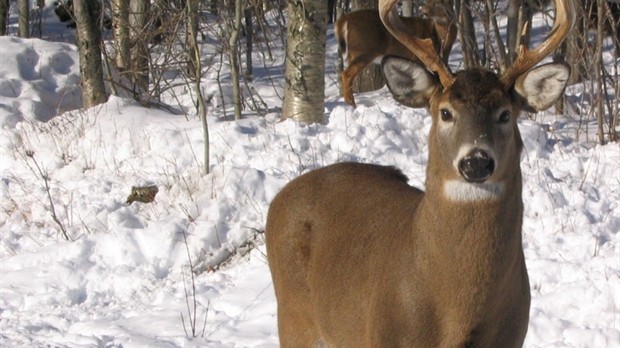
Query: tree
(138,21)
(4,16)
(233,41)
(87,18)
(519,14)
(120,26)
(24,18)
(467,33)
(407,8)
(192,25)
(304,90)
(248,13)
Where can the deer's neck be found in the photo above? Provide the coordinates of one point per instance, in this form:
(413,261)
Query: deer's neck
(478,232)
(472,251)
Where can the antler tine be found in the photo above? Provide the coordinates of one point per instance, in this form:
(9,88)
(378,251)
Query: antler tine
(526,59)
(424,49)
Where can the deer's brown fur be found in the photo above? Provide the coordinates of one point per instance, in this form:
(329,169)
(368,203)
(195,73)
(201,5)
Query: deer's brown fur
(361,259)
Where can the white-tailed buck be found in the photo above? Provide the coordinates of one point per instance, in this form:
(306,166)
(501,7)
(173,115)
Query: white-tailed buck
(361,259)
(363,38)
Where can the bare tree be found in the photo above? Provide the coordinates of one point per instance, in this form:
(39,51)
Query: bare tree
(4,16)
(249,12)
(600,98)
(467,33)
(192,25)
(583,50)
(235,68)
(87,18)
(37,19)
(138,21)
(519,16)
(599,16)
(24,18)
(304,90)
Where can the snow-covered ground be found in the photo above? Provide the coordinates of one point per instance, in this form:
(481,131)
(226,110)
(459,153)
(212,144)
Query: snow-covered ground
(124,279)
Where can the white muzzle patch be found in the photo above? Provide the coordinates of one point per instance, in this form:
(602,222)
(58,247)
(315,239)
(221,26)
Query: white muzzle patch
(462,191)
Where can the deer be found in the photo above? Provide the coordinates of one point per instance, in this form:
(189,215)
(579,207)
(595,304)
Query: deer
(363,39)
(359,258)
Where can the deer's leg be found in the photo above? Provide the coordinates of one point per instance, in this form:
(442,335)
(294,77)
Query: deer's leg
(347,86)
(354,68)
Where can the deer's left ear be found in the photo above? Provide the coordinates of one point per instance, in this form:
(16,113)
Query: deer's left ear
(542,86)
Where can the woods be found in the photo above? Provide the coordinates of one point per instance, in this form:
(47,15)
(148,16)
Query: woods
(140,220)
(146,46)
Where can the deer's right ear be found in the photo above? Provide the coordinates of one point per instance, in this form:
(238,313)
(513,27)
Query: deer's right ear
(410,83)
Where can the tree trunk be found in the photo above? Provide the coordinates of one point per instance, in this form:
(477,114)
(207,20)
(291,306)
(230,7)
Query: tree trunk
(407,8)
(87,15)
(512,29)
(371,78)
(138,19)
(234,58)
(467,34)
(519,14)
(304,90)
(192,26)
(575,46)
(192,14)
(122,43)
(494,28)
(249,38)
(331,11)
(24,18)
(4,16)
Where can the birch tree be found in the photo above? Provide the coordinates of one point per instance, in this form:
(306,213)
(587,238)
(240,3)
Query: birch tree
(120,27)
(304,89)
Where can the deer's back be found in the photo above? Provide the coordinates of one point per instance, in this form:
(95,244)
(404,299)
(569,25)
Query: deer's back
(369,32)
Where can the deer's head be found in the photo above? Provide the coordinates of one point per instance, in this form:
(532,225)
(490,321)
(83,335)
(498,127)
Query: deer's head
(474,140)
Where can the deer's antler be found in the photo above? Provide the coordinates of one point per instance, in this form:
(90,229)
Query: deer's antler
(526,59)
(424,49)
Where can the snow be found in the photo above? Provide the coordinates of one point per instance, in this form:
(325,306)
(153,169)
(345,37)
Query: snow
(124,279)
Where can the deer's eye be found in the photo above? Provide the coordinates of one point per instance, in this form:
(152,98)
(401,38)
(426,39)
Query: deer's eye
(504,117)
(446,115)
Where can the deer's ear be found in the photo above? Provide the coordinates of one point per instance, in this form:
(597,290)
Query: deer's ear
(410,83)
(542,86)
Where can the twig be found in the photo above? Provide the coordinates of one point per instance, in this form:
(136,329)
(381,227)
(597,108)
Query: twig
(45,178)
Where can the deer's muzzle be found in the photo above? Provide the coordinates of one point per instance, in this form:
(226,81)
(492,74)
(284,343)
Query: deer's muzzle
(477,166)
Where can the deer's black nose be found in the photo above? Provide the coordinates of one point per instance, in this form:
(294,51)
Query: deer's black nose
(477,166)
